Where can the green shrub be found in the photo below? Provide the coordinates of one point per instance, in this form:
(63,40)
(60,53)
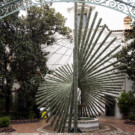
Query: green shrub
(125,102)
(32,115)
(4,122)
(131,117)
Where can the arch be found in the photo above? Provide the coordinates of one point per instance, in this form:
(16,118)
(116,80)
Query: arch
(124,6)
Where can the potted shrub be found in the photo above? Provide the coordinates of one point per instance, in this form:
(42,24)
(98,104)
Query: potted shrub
(4,123)
(126,102)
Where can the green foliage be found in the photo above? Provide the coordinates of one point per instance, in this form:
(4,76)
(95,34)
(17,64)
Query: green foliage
(32,115)
(20,115)
(126,102)
(126,56)
(4,122)
(131,117)
(92,73)
(21,43)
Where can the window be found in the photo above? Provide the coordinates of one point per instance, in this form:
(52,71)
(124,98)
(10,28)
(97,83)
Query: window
(84,19)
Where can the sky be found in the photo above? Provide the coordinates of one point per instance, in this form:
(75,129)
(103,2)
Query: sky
(112,18)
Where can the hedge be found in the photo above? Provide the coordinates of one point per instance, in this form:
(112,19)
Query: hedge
(4,122)
(131,117)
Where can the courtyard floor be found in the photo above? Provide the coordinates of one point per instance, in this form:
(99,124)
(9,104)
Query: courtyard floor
(118,123)
(114,124)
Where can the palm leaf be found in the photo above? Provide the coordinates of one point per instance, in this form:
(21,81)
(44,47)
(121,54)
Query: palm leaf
(98,80)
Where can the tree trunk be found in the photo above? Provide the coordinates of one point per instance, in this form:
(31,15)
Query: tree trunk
(7,104)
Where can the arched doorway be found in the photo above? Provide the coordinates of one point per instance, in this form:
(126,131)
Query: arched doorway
(110,109)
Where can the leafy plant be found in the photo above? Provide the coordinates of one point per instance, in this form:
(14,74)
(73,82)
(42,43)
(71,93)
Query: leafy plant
(92,73)
(4,122)
(21,40)
(131,117)
(125,102)
(126,56)
(32,115)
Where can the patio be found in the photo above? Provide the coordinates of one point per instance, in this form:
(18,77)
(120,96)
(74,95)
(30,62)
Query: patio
(108,125)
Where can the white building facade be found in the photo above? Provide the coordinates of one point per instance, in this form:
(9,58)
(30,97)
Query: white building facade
(62,51)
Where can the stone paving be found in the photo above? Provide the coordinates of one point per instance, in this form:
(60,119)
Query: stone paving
(28,127)
(114,127)
(109,133)
(118,123)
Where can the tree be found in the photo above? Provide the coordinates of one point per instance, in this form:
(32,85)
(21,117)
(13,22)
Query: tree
(126,102)
(20,50)
(7,40)
(126,56)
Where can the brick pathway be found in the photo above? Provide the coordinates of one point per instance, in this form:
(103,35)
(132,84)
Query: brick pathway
(28,127)
(118,123)
(32,127)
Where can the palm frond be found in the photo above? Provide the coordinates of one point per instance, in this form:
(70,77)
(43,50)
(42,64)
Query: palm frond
(98,80)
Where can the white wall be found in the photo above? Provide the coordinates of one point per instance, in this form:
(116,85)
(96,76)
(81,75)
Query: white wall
(114,21)
(67,10)
(128,84)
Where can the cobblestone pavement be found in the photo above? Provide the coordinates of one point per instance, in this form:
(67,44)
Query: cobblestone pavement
(28,127)
(118,128)
(109,133)
(118,123)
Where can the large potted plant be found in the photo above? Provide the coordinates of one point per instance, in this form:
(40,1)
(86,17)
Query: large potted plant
(4,124)
(125,103)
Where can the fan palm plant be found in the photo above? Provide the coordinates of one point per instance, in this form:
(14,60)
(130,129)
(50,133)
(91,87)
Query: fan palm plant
(92,73)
